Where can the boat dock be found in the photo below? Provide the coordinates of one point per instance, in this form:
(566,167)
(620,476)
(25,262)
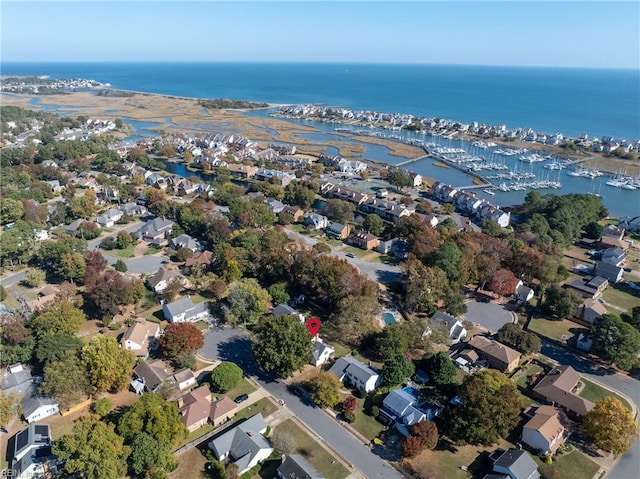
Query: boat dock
(412,160)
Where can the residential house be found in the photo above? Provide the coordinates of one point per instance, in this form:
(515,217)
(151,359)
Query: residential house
(185,379)
(363,240)
(338,231)
(295,466)
(279,177)
(222,410)
(185,241)
(294,211)
(613,231)
(416,178)
(32,456)
(275,206)
(109,218)
(455,329)
(184,310)
(547,430)
(615,256)
(73,228)
(45,297)
(186,188)
(286,310)
(155,229)
(590,310)
(514,464)
(524,293)
(162,278)
(318,222)
(150,375)
(195,407)
(356,373)
(558,388)
(402,407)
(611,272)
(134,209)
(140,338)
(242,171)
(497,355)
(321,352)
(36,408)
(609,242)
(630,223)
(54,185)
(244,444)
(591,287)
(203,258)
(16,379)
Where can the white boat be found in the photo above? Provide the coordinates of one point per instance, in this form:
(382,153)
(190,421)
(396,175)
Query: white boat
(489,192)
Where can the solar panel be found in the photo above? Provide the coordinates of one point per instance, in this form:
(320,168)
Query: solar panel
(41,430)
(22,439)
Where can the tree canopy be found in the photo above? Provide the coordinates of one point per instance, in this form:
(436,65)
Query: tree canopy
(247,302)
(108,365)
(560,302)
(396,370)
(66,379)
(225,376)
(514,336)
(325,389)
(441,368)
(616,340)
(59,317)
(181,338)
(282,345)
(611,426)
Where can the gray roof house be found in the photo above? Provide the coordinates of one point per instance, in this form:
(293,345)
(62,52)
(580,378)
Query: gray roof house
(295,466)
(32,456)
(285,310)
(185,241)
(109,217)
(184,310)
(35,408)
(318,222)
(358,374)
(608,271)
(16,379)
(515,463)
(243,444)
(321,352)
(154,229)
(162,278)
(455,329)
(150,375)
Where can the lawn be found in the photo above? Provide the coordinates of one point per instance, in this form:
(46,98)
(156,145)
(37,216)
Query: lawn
(318,456)
(447,463)
(523,379)
(366,425)
(334,242)
(264,406)
(573,465)
(196,434)
(123,253)
(559,330)
(299,228)
(594,393)
(152,250)
(243,387)
(357,251)
(201,325)
(621,296)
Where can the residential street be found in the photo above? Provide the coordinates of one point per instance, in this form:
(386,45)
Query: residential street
(629,464)
(235,345)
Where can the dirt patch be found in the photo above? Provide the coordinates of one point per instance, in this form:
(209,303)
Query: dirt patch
(190,465)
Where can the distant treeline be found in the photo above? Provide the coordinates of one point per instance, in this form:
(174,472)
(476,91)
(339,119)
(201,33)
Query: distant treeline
(115,93)
(223,103)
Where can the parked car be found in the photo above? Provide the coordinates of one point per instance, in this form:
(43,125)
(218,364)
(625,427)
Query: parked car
(241,398)
(351,255)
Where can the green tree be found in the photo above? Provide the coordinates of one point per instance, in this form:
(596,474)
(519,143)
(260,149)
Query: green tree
(393,340)
(225,376)
(10,407)
(399,178)
(109,366)
(151,457)
(325,390)
(247,302)
(54,347)
(120,266)
(616,341)
(102,406)
(560,302)
(513,336)
(611,426)
(16,244)
(181,338)
(396,370)
(424,287)
(10,210)
(490,408)
(282,345)
(594,230)
(340,210)
(441,368)
(152,415)
(278,293)
(71,266)
(66,379)
(59,317)
(124,240)
(34,278)
(93,449)
(3,293)
(374,224)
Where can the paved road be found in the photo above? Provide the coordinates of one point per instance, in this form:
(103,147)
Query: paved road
(235,345)
(490,316)
(629,464)
(378,272)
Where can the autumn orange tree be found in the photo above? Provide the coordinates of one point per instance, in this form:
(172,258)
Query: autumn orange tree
(611,426)
(181,338)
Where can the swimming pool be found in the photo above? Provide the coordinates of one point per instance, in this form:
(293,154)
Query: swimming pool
(413,391)
(389,318)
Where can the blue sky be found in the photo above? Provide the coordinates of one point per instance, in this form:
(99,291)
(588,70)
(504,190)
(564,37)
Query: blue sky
(542,33)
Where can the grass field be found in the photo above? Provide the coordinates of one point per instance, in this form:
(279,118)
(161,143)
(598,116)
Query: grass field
(243,387)
(263,406)
(573,465)
(123,253)
(318,456)
(523,380)
(366,425)
(558,330)
(622,297)
(357,251)
(594,393)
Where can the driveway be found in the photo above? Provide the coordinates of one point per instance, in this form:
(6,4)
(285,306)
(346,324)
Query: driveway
(235,345)
(488,315)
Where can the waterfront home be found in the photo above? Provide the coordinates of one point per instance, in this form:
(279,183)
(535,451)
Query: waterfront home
(497,355)
(242,171)
(559,387)
(338,231)
(613,231)
(321,352)
(31,453)
(610,242)
(547,429)
(615,256)
(608,271)
(150,375)
(243,444)
(357,374)
(295,466)
(590,310)
(316,221)
(184,310)
(416,178)
(162,278)
(630,223)
(36,408)
(454,328)
(140,338)
(513,464)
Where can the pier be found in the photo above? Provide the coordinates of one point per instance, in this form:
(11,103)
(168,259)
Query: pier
(413,160)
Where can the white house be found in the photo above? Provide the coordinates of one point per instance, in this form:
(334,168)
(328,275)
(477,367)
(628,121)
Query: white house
(545,430)
(359,375)
(321,352)
(184,310)
(524,293)
(140,338)
(162,278)
(185,379)
(318,222)
(455,329)
(36,408)
(243,444)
